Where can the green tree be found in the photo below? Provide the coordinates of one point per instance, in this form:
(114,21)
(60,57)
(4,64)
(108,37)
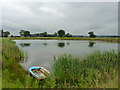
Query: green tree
(27,33)
(61,33)
(44,34)
(55,34)
(2,33)
(91,34)
(6,34)
(24,33)
(68,35)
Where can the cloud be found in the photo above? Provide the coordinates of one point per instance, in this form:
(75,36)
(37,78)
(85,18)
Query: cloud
(73,17)
(52,11)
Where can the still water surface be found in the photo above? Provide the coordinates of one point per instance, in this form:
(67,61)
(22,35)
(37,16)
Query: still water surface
(42,52)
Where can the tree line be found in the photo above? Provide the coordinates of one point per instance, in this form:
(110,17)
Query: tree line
(4,34)
(26,33)
(60,33)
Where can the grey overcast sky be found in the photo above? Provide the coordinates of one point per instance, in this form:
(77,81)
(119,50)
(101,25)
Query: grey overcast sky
(74,17)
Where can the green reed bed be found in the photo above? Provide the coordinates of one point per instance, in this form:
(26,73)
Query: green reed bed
(10,50)
(92,71)
(11,69)
(13,74)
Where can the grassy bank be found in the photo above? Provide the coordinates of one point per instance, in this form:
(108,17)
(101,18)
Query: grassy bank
(11,69)
(13,74)
(0,78)
(66,38)
(94,70)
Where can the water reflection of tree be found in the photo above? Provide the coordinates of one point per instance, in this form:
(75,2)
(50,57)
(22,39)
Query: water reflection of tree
(91,43)
(44,44)
(62,44)
(24,44)
(68,43)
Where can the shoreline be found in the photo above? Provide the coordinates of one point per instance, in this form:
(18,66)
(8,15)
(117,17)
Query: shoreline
(116,40)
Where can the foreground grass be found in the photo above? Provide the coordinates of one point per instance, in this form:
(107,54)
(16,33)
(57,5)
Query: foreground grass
(13,74)
(92,71)
(111,83)
(65,38)
(99,68)
(0,78)
(11,69)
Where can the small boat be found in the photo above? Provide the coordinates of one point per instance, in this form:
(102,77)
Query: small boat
(38,72)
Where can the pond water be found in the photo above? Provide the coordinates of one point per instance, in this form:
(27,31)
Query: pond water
(42,52)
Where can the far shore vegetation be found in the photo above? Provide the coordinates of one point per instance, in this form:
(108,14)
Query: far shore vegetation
(59,35)
(97,70)
(117,40)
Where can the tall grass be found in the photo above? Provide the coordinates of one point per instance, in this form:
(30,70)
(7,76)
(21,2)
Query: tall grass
(13,74)
(91,71)
(12,70)
(10,50)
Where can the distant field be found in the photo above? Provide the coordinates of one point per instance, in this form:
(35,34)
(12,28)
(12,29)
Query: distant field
(66,38)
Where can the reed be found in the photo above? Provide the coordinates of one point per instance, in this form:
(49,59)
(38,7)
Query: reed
(0,78)
(10,50)
(91,71)
(11,69)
